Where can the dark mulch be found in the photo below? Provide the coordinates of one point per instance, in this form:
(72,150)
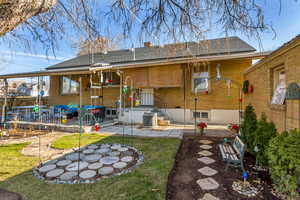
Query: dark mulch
(6,195)
(182,182)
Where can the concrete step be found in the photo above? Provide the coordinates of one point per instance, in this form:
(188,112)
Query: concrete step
(163,122)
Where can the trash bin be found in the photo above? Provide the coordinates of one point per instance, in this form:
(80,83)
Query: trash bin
(149,119)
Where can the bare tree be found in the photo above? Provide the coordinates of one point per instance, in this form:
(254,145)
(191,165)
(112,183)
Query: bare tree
(99,45)
(48,21)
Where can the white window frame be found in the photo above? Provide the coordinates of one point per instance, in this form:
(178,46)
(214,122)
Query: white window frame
(200,71)
(279,86)
(70,86)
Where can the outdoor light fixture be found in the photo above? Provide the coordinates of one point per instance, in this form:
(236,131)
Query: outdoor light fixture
(218,69)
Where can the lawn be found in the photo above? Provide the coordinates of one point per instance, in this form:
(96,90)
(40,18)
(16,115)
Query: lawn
(146,182)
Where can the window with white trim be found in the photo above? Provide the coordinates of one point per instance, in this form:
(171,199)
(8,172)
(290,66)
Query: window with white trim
(200,78)
(69,85)
(279,86)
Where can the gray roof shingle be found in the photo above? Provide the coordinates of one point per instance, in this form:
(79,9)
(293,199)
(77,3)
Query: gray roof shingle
(229,45)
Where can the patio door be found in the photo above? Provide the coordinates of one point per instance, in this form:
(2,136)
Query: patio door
(147,97)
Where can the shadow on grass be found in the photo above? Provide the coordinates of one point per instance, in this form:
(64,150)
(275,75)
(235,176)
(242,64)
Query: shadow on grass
(146,182)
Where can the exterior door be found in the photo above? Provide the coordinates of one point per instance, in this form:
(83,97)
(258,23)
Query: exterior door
(147,97)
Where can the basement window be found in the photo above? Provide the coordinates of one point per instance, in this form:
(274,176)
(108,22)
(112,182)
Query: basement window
(201,115)
(69,85)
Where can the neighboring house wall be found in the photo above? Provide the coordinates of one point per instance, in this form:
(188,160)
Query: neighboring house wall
(261,76)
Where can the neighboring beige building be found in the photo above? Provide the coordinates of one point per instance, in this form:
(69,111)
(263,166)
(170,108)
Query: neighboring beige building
(271,77)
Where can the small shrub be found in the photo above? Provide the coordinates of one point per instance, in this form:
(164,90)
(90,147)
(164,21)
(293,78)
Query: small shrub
(264,132)
(284,162)
(248,127)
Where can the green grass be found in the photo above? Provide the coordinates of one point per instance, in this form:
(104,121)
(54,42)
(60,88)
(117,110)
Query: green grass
(12,162)
(148,182)
(70,141)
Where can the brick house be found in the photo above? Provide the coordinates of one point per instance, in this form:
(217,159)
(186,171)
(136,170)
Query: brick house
(166,78)
(274,80)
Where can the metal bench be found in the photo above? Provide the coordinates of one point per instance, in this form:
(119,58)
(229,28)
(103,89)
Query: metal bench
(233,153)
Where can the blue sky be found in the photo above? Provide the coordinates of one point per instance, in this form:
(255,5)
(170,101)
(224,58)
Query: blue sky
(286,24)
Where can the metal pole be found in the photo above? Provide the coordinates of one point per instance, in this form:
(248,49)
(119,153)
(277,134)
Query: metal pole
(184,95)
(5,102)
(80,122)
(195,115)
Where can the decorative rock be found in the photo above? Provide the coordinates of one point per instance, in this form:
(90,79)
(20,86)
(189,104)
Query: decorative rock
(88,151)
(105,146)
(127,159)
(205,146)
(128,153)
(63,163)
(206,160)
(96,165)
(120,165)
(47,168)
(205,141)
(208,196)
(105,170)
(207,171)
(245,188)
(54,173)
(52,162)
(86,174)
(93,146)
(208,184)
(122,149)
(108,160)
(102,150)
(68,176)
(74,166)
(205,153)
(74,156)
(114,153)
(92,158)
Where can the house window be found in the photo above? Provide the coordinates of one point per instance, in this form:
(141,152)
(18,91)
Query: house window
(69,85)
(200,78)
(201,115)
(279,86)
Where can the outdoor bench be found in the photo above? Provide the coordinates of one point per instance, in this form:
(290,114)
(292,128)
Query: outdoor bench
(233,153)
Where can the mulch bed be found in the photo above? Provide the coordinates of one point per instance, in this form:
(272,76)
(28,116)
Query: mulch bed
(6,195)
(182,181)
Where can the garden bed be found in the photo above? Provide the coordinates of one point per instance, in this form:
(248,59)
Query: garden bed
(182,182)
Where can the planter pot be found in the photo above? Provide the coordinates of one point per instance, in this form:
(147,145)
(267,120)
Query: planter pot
(201,130)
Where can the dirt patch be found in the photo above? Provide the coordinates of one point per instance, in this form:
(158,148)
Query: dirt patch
(182,182)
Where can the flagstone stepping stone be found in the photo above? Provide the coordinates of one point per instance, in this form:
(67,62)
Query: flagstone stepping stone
(86,174)
(105,170)
(74,166)
(205,146)
(127,159)
(122,149)
(108,160)
(206,160)
(120,165)
(207,171)
(205,153)
(114,153)
(88,151)
(115,147)
(47,168)
(93,146)
(105,146)
(208,196)
(208,183)
(102,150)
(68,176)
(63,163)
(205,141)
(96,165)
(92,158)
(74,156)
(52,161)
(54,173)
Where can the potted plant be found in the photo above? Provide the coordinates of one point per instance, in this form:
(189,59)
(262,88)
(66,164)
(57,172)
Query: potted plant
(201,127)
(235,128)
